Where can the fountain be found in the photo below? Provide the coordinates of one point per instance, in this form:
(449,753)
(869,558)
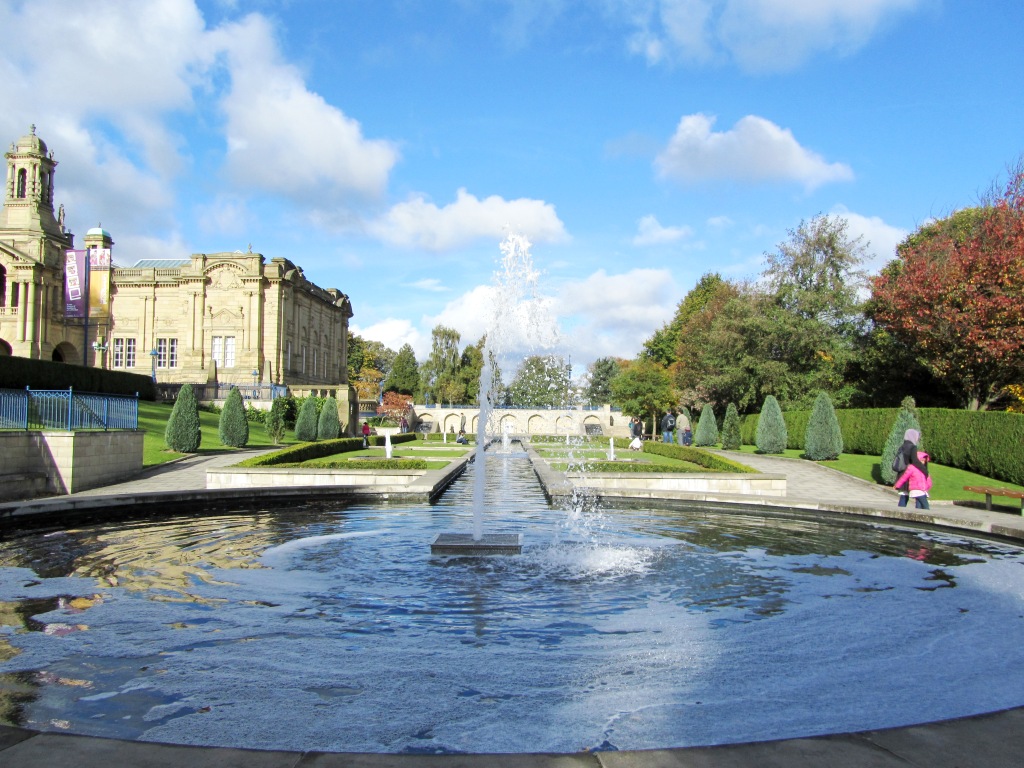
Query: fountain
(519,321)
(611,449)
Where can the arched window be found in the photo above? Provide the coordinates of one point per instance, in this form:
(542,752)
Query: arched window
(22,183)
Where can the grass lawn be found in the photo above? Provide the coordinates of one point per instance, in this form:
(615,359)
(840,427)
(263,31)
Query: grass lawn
(153,420)
(947,483)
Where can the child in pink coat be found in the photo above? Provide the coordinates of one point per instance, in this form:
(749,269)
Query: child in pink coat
(918,482)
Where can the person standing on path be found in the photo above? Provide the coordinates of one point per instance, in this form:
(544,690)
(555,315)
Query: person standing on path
(909,454)
(668,426)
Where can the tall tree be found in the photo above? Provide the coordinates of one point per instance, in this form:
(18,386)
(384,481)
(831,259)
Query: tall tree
(955,295)
(643,389)
(356,348)
(662,347)
(542,381)
(471,363)
(599,380)
(233,426)
(404,376)
(183,433)
(443,362)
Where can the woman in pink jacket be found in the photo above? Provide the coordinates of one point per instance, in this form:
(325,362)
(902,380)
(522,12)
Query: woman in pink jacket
(918,482)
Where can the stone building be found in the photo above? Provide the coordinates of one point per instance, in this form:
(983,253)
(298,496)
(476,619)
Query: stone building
(230,318)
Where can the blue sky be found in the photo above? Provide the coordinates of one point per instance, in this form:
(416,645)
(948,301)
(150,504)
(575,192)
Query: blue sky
(387,146)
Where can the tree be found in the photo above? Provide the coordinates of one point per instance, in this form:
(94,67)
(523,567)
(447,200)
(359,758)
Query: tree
(378,356)
(471,364)
(328,426)
(905,419)
(731,438)
(599,380)
(707,428)
(275,423)
(404,376)
(771,435)
(233,427)
(395,407)
(823,440)
(662,347)
(306,422)
(644,388)
(183,433)
(356,347)
(443,362)
(542,381)
(955,295)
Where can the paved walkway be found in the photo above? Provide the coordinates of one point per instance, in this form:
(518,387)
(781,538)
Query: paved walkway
(987,741)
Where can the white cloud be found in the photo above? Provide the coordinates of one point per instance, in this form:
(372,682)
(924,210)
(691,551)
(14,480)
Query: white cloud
(880,238)
(284,138)
(755,149)
(418,223)
(431,284)
(758,35)
(224,216)
(720,222)
(394,333)
(651,232)
(129,249)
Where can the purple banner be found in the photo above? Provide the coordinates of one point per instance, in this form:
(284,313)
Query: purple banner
(74,284)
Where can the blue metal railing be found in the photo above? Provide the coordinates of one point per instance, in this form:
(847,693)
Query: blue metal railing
(66,409)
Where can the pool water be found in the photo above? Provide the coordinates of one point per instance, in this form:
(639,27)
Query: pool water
(331,627)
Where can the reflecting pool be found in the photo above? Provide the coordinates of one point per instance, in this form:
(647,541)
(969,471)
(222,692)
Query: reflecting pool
(331,627)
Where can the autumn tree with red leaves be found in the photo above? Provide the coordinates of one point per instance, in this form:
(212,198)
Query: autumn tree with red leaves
(395,406)
(955,296)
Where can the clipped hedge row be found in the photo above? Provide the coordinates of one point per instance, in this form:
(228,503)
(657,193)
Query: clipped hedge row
(695,456)
(987,442)
(21,372)
(297,454)
(637,467)
(370,464)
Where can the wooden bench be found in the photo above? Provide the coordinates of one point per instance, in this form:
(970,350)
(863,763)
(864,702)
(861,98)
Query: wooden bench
(989,492)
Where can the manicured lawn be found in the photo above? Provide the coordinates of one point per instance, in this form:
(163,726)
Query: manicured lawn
(153,420)
(947,482)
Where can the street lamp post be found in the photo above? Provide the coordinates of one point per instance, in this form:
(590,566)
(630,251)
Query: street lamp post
(153,354)
(100,349)
(255,383)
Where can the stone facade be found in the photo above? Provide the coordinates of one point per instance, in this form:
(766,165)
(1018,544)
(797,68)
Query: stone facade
(232,317)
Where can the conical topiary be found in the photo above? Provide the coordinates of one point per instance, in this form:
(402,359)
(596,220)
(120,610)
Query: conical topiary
(905,419)
(329,425)
(707,428)
(305,423)
(233,427)
(731,429)
(182,433)
(823,440)
(772,435)
(275,423)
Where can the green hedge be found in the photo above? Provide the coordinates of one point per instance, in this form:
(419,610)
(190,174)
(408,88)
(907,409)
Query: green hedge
(297,454)
(21,372)
(990,443)
(369,464)
(695,456)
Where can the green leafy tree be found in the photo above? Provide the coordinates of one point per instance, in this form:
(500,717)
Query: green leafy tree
(644,388)
(183,433)
(955,296)
(599,380)
(378,356)
(542,381)
(471,364)
(663,346)
(442,365)
(306,422)
(404,376)
(275,422)
(772,435)
(233,427)
(356,355)
(905,419)
(707,428)
(731,438)
(328,426)
(823,440)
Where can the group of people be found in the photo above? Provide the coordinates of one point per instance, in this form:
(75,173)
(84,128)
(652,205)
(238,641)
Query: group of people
(673,429)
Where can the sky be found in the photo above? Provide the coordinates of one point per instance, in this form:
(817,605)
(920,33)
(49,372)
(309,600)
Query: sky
(388,147)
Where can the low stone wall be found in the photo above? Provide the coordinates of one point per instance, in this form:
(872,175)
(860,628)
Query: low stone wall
(635,484)
(38,463)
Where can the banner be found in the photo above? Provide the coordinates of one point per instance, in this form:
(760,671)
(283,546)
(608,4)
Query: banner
(75,267)
(99,283)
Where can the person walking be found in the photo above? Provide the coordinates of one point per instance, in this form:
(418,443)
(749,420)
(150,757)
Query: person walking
(916,481)
(908,456)
(366,434)
(668,426)
(682,427)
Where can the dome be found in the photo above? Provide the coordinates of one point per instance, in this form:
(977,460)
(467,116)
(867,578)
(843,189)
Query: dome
(31,144)
(98,232)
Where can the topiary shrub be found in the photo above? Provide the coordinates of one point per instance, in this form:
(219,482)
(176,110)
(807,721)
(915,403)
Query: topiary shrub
(306,422)
(275,421)
(906,419)
(771,436)
(329,425)
(823,440)
(707,428)
(182,433)
(731,429)
(233,427)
